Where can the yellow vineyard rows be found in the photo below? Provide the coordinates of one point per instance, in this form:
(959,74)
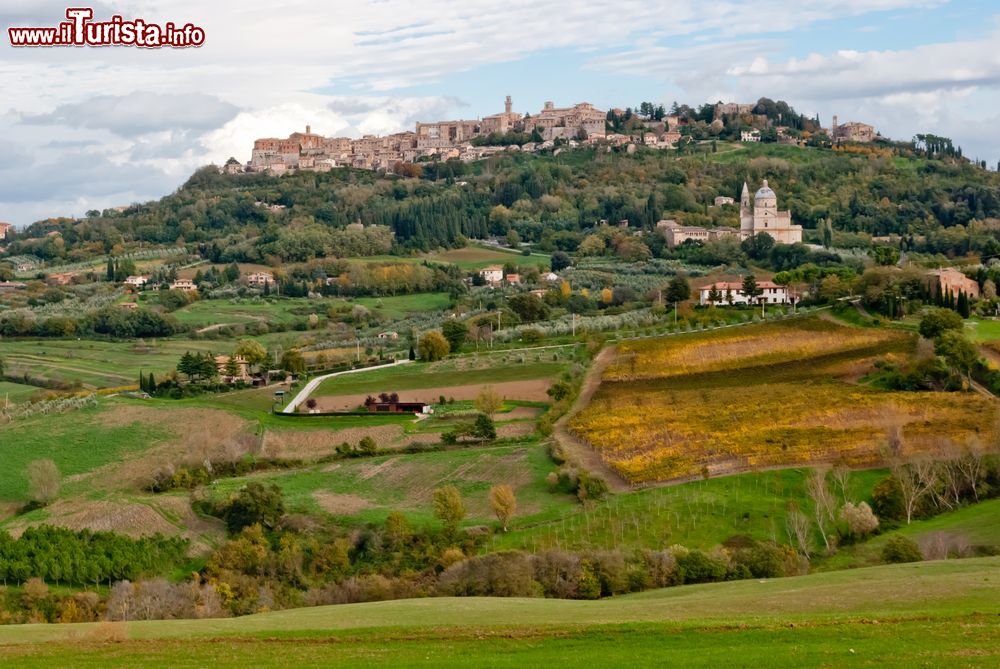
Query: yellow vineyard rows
(670,426)
(730,349)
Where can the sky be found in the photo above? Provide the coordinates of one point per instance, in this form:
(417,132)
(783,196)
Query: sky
(93,127)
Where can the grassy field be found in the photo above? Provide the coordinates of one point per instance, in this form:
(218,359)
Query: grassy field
(15,392)
(288,311)
(369,489)
(470,257)
(764,396)
(466,370)
(924,614)
(108,364)
(78,442)
(699,515)
(983,331)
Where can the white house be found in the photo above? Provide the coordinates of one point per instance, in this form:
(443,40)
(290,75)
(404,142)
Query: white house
(750,136)
(731,292)
(136,281)
(551,277)
(183,284)
(492,274)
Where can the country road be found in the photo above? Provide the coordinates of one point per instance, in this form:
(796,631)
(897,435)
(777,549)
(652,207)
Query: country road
(311,386)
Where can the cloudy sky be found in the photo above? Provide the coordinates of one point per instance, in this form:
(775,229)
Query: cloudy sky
(84,128)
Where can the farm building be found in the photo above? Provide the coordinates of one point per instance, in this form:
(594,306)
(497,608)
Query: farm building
(950,280)
(731,292)
(389,403)
(492,274)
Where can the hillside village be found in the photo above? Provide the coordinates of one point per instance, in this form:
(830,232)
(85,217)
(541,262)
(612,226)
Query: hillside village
(468,140)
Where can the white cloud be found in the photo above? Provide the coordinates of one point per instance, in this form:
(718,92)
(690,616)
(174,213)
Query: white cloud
(268,68)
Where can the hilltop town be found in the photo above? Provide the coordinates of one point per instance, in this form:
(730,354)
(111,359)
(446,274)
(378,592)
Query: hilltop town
(580,124)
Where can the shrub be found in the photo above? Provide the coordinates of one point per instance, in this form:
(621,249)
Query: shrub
(901,549)
(887,499)
(696,567)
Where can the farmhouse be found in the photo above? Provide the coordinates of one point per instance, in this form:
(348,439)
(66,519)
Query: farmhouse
(62,278)
(722,199)
(183,284)
(731,292)
(389,334)
(12,285)
(5,229)
(550,277)
(750,136)
(260,279)
(136,281)
(492,275)
(242,368)
(852,131)
(950,280)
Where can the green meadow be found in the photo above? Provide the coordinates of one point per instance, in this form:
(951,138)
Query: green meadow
(924,614)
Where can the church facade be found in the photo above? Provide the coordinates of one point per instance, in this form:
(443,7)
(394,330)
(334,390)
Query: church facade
(762,215)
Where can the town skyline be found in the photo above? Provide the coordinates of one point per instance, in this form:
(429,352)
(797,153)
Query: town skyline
(95,128)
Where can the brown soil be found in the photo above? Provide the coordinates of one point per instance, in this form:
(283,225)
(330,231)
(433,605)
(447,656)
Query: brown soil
(532,391)
(341,505)
(196,435)
(577,451)
(313,444)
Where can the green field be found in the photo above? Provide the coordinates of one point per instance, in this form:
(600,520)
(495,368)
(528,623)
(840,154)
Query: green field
(288,311)
(417,375)
(15,392)
(699,515)
(108,364)
(983,330)
(924,614)
(368,489)
(470,257)
(77,442)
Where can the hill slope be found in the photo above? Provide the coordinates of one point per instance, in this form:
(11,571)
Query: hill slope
(935,613)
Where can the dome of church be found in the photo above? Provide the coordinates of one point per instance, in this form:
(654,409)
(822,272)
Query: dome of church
(765,192)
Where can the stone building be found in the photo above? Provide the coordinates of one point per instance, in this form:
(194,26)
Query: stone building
(763,216)
(5,229)
(951,280)
(505,122)
(852,131)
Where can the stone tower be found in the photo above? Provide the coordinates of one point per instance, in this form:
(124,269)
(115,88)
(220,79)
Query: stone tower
(746,213)
(508,105)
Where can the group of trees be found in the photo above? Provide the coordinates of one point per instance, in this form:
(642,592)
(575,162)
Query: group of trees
(59,555)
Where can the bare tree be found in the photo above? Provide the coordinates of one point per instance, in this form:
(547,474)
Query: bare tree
(824,504)
(841,475)
(972,469)
(43,481)
(798,526)
(916,480)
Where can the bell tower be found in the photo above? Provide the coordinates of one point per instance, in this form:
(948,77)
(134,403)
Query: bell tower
(508,105)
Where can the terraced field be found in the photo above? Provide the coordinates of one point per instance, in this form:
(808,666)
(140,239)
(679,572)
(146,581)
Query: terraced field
(765,396)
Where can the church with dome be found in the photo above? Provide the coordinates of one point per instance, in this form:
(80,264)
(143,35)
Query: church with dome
(762,215)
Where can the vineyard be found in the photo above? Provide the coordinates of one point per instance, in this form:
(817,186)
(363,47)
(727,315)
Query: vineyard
(766,396)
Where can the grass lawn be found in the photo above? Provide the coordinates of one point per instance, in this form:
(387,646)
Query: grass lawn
(925,614)
(986,330)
